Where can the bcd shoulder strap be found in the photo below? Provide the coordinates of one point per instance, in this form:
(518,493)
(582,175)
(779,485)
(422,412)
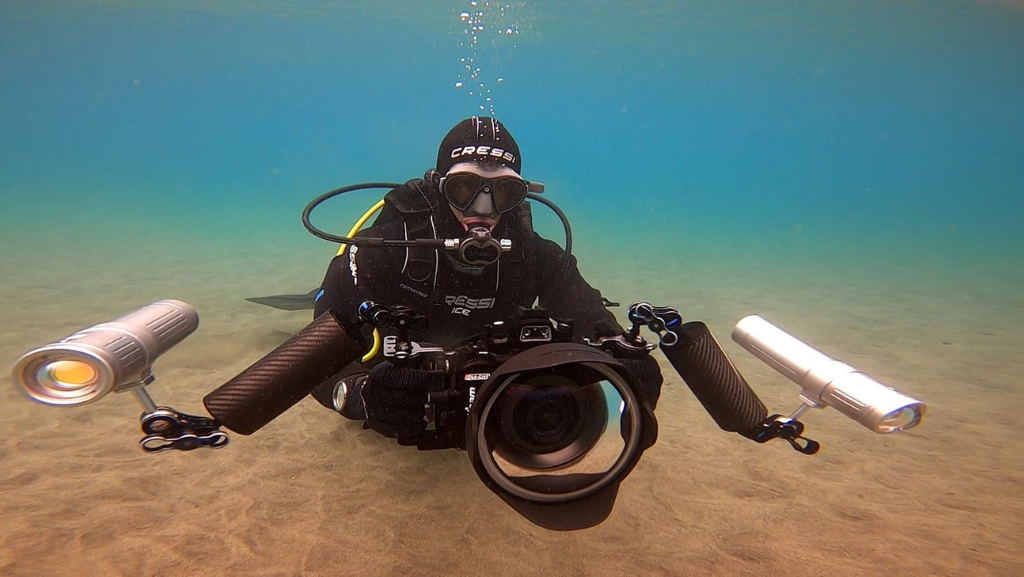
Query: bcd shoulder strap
(414,205)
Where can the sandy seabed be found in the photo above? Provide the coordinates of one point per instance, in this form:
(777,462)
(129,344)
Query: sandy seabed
(313,494)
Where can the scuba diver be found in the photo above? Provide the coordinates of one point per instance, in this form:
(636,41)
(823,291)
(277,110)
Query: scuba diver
(475,191)
(554,405)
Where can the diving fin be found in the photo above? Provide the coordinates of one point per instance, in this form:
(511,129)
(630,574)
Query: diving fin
(288,302)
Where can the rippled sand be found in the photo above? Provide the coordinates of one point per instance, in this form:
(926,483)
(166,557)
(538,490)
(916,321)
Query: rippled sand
(313,494)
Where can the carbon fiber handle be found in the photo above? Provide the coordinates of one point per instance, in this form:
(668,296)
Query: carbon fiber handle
(280,379)
(716,383)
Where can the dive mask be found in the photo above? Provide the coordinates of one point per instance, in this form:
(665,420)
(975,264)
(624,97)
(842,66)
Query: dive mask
(462,188)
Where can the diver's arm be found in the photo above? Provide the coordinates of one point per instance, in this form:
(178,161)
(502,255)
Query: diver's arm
(354,276)
(565,293)
(344,288)
(340,292)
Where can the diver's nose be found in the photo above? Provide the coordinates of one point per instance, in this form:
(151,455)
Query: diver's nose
(482,205)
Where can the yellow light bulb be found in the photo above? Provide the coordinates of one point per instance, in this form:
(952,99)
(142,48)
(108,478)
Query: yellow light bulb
(76,373)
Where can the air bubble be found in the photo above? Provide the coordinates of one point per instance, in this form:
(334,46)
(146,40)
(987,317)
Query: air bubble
(485,23)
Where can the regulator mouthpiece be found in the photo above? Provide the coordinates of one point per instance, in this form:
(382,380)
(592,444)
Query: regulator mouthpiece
(828,382)
(480,249)
(109,357)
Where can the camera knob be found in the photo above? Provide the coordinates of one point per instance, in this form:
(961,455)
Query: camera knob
(499,333)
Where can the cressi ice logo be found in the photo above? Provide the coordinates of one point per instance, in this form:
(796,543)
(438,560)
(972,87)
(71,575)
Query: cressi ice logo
(487,151)
(463,305)
(464,301)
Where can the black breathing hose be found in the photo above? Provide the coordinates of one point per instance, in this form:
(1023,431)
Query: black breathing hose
(368,242)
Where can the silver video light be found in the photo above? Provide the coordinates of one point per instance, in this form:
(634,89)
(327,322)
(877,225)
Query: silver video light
(108,357)
(828,382)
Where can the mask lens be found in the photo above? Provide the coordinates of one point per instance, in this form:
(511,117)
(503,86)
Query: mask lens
(508,193)
(460,189)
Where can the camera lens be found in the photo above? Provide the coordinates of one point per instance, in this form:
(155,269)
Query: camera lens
(551,421)
(544,420)
(555,433)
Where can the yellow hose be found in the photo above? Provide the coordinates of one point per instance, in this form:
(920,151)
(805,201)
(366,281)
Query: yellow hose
(359,224)
(355,228)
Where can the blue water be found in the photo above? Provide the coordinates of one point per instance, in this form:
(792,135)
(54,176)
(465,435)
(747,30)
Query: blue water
(884,123)
(854,168)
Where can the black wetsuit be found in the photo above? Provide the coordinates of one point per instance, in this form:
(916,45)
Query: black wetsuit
(458,301)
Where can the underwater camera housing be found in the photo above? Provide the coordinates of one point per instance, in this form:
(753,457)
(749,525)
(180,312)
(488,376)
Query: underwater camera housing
(551,426)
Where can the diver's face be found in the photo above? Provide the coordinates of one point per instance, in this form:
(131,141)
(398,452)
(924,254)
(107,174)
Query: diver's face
(482,210)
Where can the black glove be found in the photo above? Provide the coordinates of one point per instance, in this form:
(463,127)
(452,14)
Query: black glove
(395,398)
(648,375)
